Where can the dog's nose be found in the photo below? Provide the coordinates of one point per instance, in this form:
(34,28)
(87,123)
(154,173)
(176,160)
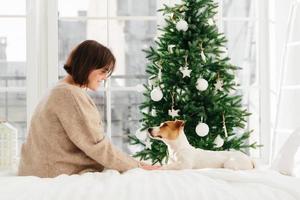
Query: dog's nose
(150,129)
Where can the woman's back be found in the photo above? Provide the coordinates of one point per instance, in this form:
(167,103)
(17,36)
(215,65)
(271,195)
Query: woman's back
(48,150)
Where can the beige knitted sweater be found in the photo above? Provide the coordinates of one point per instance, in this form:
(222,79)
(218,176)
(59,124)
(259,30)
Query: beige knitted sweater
(66,137)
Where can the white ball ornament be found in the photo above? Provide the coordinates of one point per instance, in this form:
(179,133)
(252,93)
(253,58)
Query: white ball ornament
(202,84)
(156,94)
(218,141)
(182,25)
(202,129)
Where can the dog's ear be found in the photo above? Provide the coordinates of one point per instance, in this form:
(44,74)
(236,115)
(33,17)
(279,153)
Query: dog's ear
(179,123)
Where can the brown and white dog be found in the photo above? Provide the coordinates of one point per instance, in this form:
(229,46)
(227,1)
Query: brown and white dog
(184,156)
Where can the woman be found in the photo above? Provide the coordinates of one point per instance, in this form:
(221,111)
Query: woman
(66,133)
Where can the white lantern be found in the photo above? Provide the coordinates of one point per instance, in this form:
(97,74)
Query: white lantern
(8,146)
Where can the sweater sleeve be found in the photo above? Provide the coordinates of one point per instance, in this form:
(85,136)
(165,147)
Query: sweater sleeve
(81,121)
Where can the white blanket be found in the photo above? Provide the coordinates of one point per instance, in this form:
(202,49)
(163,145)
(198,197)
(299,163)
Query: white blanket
(204,184)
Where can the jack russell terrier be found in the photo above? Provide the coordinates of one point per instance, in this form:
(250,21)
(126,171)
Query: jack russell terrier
(185,156)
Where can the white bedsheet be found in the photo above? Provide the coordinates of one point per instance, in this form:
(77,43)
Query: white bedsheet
(204,184)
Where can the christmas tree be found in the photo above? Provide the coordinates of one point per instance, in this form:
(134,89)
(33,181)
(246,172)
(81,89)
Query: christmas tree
(191,78)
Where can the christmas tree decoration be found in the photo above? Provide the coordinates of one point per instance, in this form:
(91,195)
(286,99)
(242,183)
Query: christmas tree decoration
(183,8)
(202,129)
(224,126)
(218,142)
(170,16)
(219,85)
(156,94)
(185,71)
(182,25)
(148,144)
(191,34)
(173,113)
(159,75)
(153,113)
(170,48)
(202,84)
(203,57)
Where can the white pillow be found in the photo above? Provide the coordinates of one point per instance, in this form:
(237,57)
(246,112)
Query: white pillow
(296,170)
(286,162)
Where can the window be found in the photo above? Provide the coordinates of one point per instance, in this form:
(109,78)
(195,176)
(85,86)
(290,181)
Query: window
(126,27)
(13,65)
(239,23)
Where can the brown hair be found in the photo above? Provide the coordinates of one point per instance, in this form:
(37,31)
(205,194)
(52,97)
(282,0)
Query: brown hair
(87,56)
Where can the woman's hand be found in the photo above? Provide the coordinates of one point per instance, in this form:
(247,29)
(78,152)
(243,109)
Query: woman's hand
(149,167)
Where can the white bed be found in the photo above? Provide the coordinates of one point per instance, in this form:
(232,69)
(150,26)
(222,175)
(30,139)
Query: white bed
(204,184)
